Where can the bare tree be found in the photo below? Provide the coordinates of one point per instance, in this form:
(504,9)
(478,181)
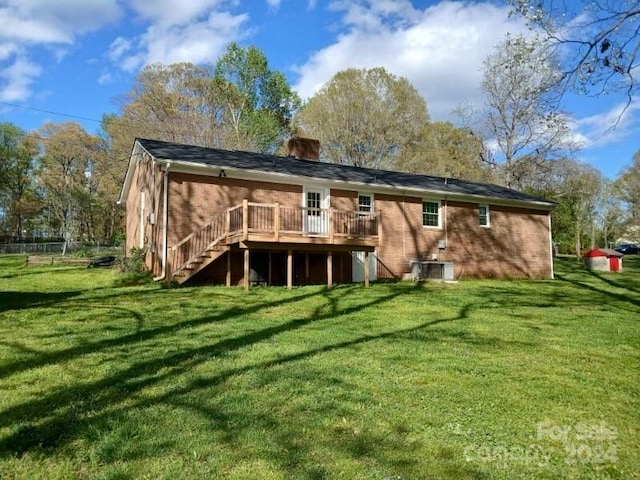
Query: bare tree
(598,41)
(520,113)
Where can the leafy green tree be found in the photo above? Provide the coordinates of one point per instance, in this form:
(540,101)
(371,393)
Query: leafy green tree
(445,150)
(610,216)
(577,189)
(628,190)
(18,197)
(260,103)
(238,103)
(65,176)
(366,118)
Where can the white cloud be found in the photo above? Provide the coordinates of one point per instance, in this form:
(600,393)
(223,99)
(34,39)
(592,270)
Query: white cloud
(7,50)
(119,48)
(173,12)
(29,24)
(105,78)
(273,4)
(179,31)
(17,78)
(620,122)
(440,49)
(46,21)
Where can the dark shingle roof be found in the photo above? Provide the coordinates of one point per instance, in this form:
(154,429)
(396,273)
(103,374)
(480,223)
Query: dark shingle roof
(327,171)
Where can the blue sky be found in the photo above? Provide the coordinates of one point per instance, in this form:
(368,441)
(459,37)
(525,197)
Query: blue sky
(77,56)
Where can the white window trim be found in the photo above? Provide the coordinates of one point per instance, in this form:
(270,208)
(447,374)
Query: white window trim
(432,200)
(325,200)
(488,225)
(373,201)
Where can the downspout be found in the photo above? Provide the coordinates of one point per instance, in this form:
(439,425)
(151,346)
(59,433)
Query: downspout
(446,223)
(404,229)
(165,217)
(551,249)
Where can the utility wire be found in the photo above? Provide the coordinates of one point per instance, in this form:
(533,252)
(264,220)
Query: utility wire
(50,112)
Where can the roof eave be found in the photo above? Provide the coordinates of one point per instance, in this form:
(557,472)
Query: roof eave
(277,177)
(137,150)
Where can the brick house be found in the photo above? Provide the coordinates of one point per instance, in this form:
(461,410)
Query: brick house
(235,217)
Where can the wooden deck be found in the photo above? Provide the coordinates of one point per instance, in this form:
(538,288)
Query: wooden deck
(274,226)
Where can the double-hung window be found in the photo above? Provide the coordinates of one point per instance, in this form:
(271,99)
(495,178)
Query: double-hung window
(431,213)
(483,215)
(365,203)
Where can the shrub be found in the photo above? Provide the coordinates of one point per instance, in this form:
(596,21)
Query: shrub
(134,269)
(134,262)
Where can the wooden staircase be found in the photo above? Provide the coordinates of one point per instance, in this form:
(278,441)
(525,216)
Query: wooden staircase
(260,223)
(199,249)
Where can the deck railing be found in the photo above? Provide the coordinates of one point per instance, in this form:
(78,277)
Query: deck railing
(192,246)
(275,219)
(270,222)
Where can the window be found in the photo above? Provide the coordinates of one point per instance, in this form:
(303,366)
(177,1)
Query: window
(313,203)
(483,215)
(365,203)
(431,213)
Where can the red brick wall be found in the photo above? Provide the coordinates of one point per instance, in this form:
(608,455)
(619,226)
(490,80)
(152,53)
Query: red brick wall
(346,200)
(143,181)
(516,244)
(194,199)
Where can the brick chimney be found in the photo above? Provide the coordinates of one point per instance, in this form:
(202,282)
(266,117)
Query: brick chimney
(301,147)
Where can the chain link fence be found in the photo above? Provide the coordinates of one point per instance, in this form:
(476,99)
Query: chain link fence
(56,248)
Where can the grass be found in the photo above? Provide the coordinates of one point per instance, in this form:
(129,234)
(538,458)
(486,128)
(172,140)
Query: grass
(477,380)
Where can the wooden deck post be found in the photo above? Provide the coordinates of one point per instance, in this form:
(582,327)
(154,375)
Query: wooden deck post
(366,269)
(276,221)
(169,261)
(246,270)
(289,269)
(329,270)
(331,223)
(245,219)
(306,268)
(228,279)
(270,271)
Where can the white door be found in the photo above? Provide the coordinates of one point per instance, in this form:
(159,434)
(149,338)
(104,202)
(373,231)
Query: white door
(357,266)
(316,220)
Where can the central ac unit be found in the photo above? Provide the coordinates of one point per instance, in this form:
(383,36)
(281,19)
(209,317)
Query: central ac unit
(428,270)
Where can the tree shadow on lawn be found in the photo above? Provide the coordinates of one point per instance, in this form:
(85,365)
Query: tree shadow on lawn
(24,270)
(138,336)
(63,415)
(591,290)
(24,300)
(576,273)
(296,455)
(600,294)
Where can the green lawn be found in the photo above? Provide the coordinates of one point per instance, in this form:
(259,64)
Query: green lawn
(480,379)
